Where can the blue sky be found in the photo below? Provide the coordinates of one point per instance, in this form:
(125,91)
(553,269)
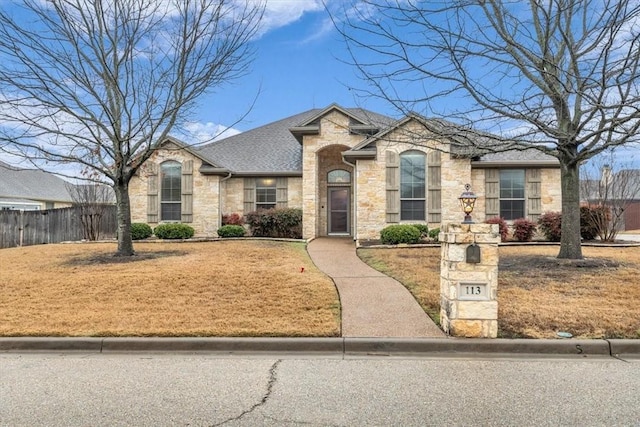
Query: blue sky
(297,67)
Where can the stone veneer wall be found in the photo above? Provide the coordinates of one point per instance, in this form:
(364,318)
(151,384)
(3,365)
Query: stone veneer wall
(469,318)
(233,194)
(371,183)
(206,215)
(551,198)
(330,158)
(334,130)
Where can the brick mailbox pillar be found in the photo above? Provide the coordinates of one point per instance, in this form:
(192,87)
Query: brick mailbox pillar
(469,280)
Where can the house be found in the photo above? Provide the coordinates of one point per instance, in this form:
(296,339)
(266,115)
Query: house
(31,189)
(632,211)
(353,172)
(620,191)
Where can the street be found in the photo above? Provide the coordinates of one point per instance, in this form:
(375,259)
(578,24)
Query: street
(213,390)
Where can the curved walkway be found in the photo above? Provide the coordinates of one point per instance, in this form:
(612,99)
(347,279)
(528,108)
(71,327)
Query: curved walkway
(373,304)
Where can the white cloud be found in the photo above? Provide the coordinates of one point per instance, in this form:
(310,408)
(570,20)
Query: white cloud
(279,13)
(202,133)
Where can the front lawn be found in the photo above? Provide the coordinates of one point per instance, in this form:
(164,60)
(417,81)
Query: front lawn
(538,295)
(225,288)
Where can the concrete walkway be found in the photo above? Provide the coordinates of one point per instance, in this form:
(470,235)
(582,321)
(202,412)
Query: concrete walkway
(373,304)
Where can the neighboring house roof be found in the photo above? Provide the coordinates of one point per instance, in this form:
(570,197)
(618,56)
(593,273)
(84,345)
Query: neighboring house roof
(624,185)
(31,184)
(632,177)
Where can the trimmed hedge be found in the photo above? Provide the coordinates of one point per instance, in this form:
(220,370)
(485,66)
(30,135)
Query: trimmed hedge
(174,231)
(502,226)
(434,234)
(231,231)
(232,219)
(140,231)
(283,223)
(523,229)
(399,233)
(550,223)
(423,229)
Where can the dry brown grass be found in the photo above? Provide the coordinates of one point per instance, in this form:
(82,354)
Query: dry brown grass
(227,288)
(538,296)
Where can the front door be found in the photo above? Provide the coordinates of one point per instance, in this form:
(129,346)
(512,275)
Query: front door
(339,201)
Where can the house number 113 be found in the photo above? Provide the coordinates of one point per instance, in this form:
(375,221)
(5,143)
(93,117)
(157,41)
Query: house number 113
(473,290)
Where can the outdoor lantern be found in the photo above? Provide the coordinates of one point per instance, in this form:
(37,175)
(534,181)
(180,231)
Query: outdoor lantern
(467,200)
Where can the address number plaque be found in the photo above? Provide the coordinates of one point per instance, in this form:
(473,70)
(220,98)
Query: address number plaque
(473,291)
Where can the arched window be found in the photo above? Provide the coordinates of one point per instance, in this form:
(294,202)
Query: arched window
(412,186)
(339,176)
(170,191)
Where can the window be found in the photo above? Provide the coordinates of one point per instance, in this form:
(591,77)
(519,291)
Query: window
(170,193)
(265,193)
(412,186)
(339,176)
(512,198)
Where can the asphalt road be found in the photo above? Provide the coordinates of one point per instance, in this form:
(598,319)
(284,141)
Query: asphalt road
(209,390)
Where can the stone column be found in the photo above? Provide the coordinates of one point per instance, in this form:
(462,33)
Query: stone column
(469,280)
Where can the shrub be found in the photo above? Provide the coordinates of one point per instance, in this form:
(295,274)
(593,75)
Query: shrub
(502,227)
(231,231)
(593,221)
(399,233)
(423,229)
(433,234)
(285,223)
(523,229)
(232,219)
(550,223)
(140,231)
(173,231)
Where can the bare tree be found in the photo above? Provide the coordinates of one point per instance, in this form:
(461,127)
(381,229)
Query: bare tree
(101,83)
(559,76)
(608,188)
(92,201)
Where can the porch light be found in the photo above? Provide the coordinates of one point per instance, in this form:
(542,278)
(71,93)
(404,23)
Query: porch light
(467,200)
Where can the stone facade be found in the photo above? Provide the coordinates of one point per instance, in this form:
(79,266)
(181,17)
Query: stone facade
(206,198)
(318,157)
(232,191)
(371,181)
(322,152)
(469,290)
(213,195)
(551,192)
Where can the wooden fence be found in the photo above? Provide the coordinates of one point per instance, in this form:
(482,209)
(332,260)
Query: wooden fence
(24,228)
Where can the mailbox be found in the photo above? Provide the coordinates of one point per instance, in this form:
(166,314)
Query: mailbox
(473,254)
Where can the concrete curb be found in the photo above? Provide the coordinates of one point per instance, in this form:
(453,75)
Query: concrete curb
(223,345)
(478,346)
(436,347)
(51,344)
(625,349)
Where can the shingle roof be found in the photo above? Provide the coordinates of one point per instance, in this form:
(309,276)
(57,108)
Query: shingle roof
(31,184)
(530,155)
(272,147)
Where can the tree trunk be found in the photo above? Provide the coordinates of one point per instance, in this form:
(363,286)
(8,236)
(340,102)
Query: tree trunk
(123,215)
(570,241)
